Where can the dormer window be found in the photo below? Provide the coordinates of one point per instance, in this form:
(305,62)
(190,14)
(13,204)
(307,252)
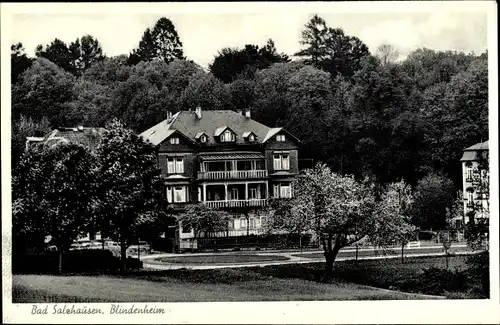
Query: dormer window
(174,140)
(227,136)
(249,136)
(280,138)
(201,136)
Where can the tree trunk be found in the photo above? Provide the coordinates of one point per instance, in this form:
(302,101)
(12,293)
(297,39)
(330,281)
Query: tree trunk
(60,260)
(330,255)
(123,250)
(402,253)
(357,248)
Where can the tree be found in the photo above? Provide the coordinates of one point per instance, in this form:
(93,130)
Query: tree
(58,53)
(338,209)
(232,63)
(85,51)
(387,54)
(394,211)
(131,186)
(433,196)
(43,90)
(330,49)
(160,43)
(59,189)
(206,91)
(291,216)
(19,61)
(202,219)
(21,129)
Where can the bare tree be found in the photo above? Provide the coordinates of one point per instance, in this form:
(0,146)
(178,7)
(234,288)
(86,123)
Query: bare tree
(387,53)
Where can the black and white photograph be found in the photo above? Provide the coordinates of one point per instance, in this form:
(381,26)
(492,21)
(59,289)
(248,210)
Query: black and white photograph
(281,157)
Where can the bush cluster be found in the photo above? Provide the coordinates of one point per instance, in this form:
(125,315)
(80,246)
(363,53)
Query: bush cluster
(77,261)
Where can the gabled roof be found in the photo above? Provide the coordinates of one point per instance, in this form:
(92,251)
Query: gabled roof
(199,134)
(273,131)
(247,134)
(161,131)
(221,129)
(478,146)
(86,136)
(471,153)
(188,124)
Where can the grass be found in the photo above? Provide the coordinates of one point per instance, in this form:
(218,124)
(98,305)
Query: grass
(364,281)
(37,289)
(221,259)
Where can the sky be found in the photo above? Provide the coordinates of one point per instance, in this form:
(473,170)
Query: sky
(203,34)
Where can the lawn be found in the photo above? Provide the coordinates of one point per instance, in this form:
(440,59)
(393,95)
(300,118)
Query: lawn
(221,259)
(47,288)
(368,280)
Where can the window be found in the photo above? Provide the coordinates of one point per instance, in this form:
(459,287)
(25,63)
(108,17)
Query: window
(251,138)
(234,194)
(175,165)
(174,140)
(470,198)
(200,194)
(186,229)
(280,138)
(285,191)
(252,223)
(469,174)
(282,190)
(177,194)
(227,136)
(252,193)
(281,161)
(243,223)
(203,139)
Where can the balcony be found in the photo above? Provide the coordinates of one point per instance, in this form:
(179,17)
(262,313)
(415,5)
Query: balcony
(236,203)
(233,174)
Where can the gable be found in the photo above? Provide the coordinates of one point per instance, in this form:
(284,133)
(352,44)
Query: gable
(176,141)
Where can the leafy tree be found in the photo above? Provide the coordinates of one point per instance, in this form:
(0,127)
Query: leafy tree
(85,51)
(58,189)
(206,91)
(131,186)
(291,216)
(204,220)
(59,53)
(395,207)
(330,49)
(433,196)
(19,61)
(231,63)
(336,208)
(160,43)
(43,91)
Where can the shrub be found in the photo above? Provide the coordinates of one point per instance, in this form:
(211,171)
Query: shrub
(436,281)
(76,261)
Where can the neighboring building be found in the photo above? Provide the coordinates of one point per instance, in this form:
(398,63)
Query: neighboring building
(87,136)
(475,175)
(225,160)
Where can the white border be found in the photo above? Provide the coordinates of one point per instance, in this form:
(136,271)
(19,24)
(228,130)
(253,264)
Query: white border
(403,312)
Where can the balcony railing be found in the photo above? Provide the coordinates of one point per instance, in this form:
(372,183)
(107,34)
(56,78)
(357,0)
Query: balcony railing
(236,203)
(233,174)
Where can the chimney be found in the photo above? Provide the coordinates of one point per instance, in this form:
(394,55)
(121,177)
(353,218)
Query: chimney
(247,113)
(198,112)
